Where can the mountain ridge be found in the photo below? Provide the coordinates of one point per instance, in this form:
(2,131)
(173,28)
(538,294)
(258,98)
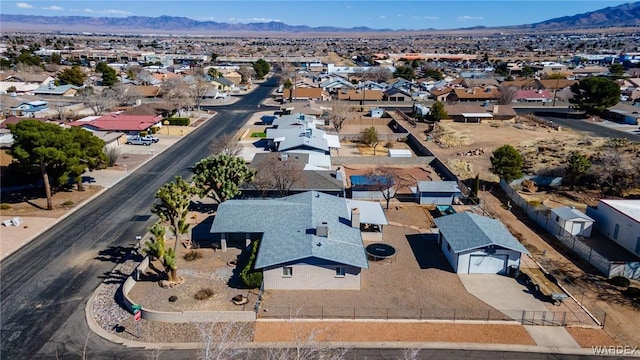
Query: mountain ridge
(622,15)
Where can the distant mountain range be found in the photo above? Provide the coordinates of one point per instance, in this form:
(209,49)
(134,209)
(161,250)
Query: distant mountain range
(622,15)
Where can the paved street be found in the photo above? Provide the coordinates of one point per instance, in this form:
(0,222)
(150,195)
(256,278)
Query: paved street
(46,283)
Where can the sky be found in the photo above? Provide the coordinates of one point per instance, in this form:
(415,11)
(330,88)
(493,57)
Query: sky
(376,14)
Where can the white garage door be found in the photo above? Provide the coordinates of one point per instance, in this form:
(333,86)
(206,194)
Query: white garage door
(487,264)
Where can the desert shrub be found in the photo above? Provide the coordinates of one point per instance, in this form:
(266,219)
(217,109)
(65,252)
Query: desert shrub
(192,255)
(143,133)
(203,294)
(5,206)
(389,145)
(620,281)
(258,135)
(250,276)
(178,121)
(67,203)
(113,154)
(173,298)
(535,203)
(632,292)
(153,129)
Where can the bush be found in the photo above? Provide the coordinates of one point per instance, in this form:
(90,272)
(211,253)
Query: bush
(250,276)
(143,133)
(620,281)
(67,203)
(192,255)
(113,154)
(177,121)
(632,292)
(153,130)
(173,298)
(5,206)
(258,135)
(203,294)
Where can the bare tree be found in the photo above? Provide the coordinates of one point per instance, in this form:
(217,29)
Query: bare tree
(410,354)
(97,102)
(378,74)
(339,113)
(246,72)
(507,95)
(198,90)
(125,94)
(176,93)
(279,172)
(388,181)
(227,144)
(223,340)
(62,111)
(616,175)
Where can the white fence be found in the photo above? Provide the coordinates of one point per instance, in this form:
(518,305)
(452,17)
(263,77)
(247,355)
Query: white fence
(572,242)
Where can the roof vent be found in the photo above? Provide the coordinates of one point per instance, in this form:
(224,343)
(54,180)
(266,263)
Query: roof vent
(319,243)
(322,230)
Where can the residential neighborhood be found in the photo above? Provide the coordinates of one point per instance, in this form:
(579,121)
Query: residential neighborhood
(473,191)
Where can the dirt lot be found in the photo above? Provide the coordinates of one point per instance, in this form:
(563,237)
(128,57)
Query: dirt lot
(36,205)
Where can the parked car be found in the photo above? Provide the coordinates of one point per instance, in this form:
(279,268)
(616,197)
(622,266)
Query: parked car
(139,141)
(151,137)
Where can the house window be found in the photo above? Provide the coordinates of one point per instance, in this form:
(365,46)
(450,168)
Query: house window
(616,230)
(287,271)
(340,271)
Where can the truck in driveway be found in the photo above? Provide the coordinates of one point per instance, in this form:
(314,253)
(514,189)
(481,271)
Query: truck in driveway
(139,141)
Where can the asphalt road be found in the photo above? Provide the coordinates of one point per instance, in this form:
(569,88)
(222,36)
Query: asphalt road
(45,285)
(585,126)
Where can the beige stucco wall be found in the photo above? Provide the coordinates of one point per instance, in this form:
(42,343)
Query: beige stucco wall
(312,276)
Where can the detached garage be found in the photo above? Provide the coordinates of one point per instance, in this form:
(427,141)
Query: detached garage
(476,244)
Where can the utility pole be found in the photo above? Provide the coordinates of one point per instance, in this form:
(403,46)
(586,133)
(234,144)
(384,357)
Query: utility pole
(555,91)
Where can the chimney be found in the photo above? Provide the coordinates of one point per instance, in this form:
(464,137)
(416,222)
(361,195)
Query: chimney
(322,230)
(355,218)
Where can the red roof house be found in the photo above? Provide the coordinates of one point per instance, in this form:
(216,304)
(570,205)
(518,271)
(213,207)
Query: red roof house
(121,123)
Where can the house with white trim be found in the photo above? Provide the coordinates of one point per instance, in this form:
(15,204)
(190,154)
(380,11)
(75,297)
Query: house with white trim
(308,241)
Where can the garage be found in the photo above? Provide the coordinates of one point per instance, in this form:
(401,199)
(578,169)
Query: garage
(488,264)
(475,244)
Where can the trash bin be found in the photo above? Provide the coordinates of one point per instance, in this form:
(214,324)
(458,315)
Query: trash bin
(514,271)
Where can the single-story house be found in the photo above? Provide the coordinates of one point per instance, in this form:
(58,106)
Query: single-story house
(29,109)
(130,124)
(223,84)
(474,94)
(60,90)
(623,113)
(438,192)
(360,95)
(572,220)
(397,95)
(308,241)
(305,94)
(475,244)
(619,220)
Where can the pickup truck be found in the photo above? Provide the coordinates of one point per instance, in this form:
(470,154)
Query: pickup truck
(139,141)
(151,137)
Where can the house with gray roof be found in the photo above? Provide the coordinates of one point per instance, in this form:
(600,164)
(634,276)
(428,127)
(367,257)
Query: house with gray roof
(475,244)
(308,241)
(438,192)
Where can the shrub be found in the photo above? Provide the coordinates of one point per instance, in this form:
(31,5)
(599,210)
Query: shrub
(173,298)
(177,121)
(192,255)
(389,145)
(250,276)
(67,203)
(143,133)
(153,130)
(113,154)
(258,135)
(5,206)
(203,294)
(620,281)
(632,292)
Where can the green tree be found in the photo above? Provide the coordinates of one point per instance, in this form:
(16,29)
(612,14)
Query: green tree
(262,68)
(55,59)
(370,137)
(11,89)
(173,205)
(214,57)
(437,112)
(527,71)
(72,76)
(616,70)
(434,74)
(109,75)
(214,73)
(405,72)
(220,176)
(475,188)
(5,64)
(56,151)
(507,163)
(26,58)
(595,93)
(577,167)
(170,265)
(155,249)
(287,84)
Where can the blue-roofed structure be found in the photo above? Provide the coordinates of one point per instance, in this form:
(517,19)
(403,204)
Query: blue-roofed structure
(476,244)
(572,221)
(309,240)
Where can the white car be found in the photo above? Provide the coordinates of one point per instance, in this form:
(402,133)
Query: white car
(139,141)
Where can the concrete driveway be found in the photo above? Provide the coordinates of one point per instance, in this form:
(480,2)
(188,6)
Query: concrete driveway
(503,293)
(510,297)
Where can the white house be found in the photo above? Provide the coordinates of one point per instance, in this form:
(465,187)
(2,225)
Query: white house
(476,244)
(619,220)
(572,220)
(438,192)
